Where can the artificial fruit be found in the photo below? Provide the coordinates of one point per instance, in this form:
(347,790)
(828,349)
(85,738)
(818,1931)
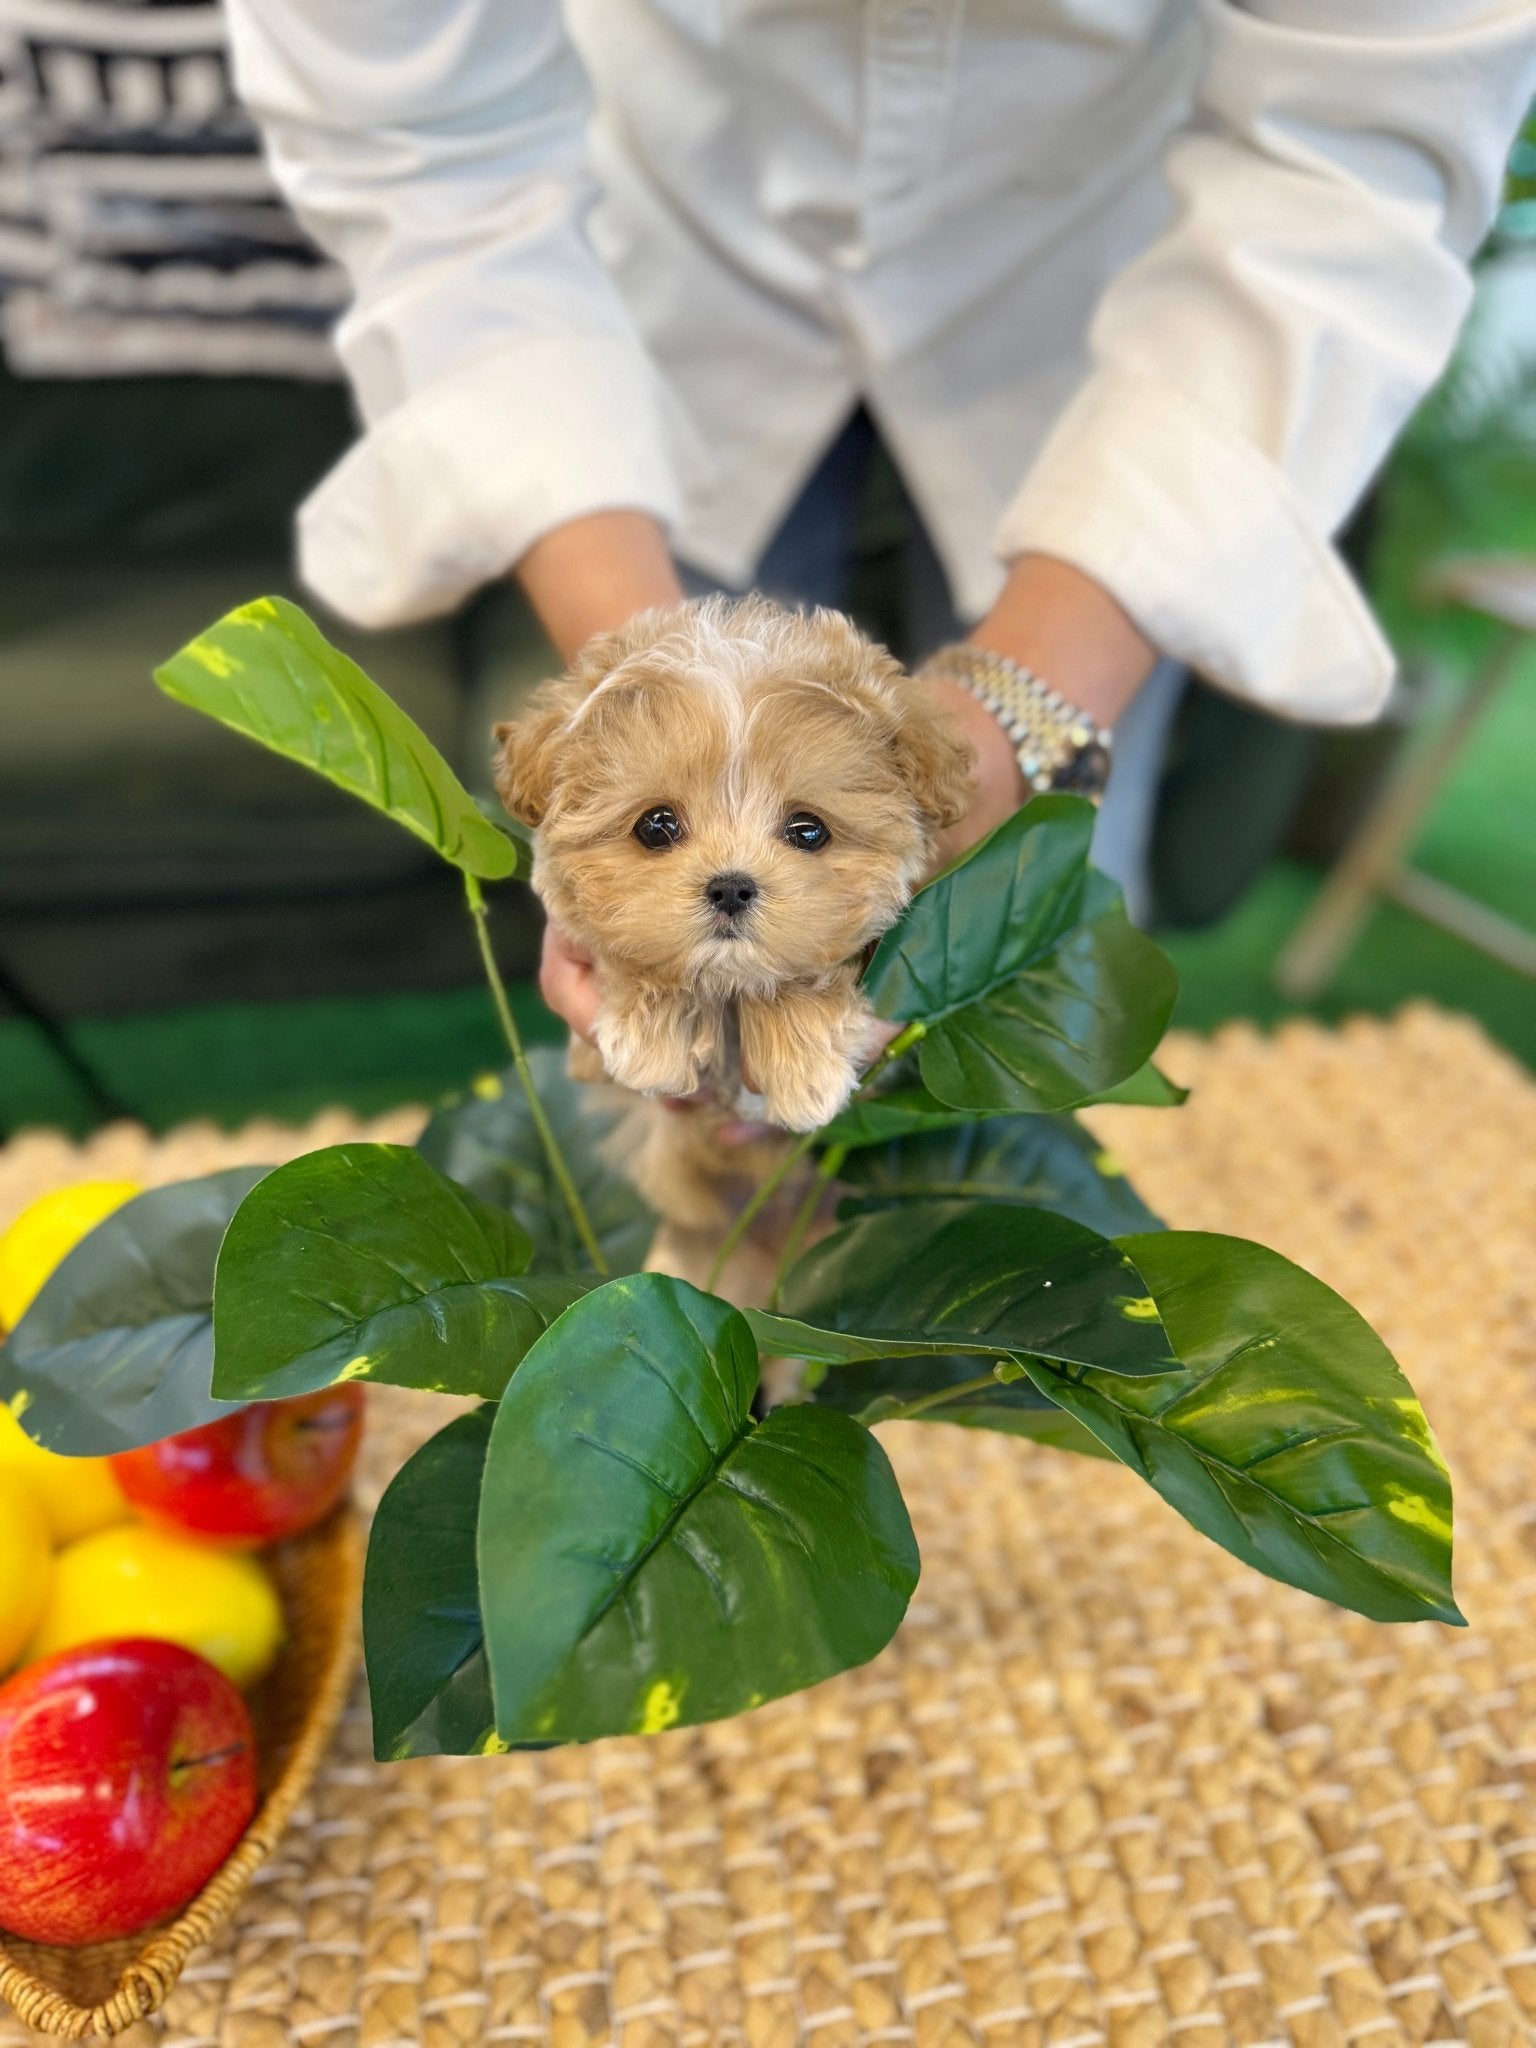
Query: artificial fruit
(127,1775)
(254,1477)
(146,1582)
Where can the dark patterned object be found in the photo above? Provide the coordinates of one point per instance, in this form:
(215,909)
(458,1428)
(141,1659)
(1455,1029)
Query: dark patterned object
(139,228)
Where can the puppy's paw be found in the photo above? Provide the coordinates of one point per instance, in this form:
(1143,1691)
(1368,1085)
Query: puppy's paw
(659,1065)
(807,1090)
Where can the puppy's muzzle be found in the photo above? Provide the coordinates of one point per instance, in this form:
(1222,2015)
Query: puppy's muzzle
(730,897)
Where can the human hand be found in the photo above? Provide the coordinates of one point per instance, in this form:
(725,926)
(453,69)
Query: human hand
(568,981)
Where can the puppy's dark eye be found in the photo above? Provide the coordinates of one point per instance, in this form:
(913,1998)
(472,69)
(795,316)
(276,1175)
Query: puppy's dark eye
(658,828)
(806,831)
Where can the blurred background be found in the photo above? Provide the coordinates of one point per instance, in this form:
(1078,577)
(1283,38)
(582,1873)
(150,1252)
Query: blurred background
(191,928)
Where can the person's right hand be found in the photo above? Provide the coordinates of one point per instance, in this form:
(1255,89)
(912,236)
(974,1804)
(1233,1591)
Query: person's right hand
(568,981)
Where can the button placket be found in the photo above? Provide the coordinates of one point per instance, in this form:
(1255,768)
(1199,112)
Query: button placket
(908,59)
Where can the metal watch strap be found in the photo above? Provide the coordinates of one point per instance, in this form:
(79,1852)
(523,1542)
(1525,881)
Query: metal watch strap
(1058,746)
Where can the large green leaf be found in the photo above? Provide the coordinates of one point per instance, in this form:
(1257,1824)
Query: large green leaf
(1013,897)
(1042,1162)
(428,1682)
(1082,1018)
(993,1280)
(364,1262)
(117,1349)
(1035,990)
(267,671)
(1288,1435)
(882,1389)
(650,1556)
(485,1140)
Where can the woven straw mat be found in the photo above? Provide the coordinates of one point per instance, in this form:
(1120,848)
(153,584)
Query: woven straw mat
(1107,1786)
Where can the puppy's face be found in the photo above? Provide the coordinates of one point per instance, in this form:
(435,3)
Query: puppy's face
(728,797)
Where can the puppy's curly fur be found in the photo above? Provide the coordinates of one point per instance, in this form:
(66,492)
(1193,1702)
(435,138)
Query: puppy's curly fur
(735,938)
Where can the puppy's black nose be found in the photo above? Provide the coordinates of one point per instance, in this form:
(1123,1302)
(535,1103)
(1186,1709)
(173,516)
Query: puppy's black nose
(730,894)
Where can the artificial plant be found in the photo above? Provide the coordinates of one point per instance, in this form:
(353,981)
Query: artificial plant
(614,1539)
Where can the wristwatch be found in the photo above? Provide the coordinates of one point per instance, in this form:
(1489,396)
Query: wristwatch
(1058,746)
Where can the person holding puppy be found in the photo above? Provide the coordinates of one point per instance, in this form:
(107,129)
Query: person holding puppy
(1137,293)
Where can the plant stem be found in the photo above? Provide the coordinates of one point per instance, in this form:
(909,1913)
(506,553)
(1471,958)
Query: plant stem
(827,1170)
(509,1030)
(756,1202)
(936,1400)
(767,1189)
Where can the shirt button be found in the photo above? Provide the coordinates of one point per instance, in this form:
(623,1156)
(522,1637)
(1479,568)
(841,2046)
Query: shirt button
(850,256)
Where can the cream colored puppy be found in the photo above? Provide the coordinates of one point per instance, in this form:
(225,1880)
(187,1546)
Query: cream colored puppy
(730,803)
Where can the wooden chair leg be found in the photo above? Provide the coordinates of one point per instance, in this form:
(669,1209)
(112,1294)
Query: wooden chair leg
(1368,867)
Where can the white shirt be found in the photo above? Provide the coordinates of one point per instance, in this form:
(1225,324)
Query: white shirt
(1148,285)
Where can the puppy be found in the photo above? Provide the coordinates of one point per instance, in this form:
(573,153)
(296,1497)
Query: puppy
(730,803)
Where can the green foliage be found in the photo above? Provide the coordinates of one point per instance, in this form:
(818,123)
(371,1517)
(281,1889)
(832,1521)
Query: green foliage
(1042,1162)
(266,670)
(1288,1435)
(650,1555)
(1147,1088)
(363,1262)
(485,1141)
(117,1349)
(1033,990)
(993,1280)
(619,1541)
(428,1681)
(922,1389)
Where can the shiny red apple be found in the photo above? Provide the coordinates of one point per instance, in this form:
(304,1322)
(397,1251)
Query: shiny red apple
(251,1478)
(127,1775)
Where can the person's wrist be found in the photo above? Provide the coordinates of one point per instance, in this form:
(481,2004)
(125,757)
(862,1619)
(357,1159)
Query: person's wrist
(593,574)
(1060,624)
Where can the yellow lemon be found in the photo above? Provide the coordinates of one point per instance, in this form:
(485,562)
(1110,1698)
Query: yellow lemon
(78,1495)
(42,1235)
(134,1581)
(26,1565)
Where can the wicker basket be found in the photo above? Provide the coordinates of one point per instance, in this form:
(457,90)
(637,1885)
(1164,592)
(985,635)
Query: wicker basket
(107,1988)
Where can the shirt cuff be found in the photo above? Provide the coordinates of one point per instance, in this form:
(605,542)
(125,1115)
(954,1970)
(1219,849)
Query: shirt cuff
(453,487)
(1206,545)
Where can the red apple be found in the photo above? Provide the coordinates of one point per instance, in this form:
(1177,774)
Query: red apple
(251,1478)
(127,1775)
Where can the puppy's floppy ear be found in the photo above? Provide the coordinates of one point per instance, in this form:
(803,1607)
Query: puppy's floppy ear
(528,750)
(935,763)
(529,747)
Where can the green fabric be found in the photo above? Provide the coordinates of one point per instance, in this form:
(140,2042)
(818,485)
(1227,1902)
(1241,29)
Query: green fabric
(156,468)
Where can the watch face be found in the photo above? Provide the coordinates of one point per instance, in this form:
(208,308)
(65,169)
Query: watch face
(1086,773)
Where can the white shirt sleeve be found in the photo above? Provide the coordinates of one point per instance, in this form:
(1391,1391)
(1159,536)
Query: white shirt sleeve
(1251,369)
(435,148)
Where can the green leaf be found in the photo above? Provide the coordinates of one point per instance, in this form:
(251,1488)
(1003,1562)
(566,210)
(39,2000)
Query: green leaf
(1081,1018)
(651,1557)
(364,1262)
(117,1349)
(893,1115)
(267,671)
(968,1277)
(428,1680)
(991,913)
(1147,1088)
(878,1391)
(1288,1435)
(485,1140)
(1041,1162)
